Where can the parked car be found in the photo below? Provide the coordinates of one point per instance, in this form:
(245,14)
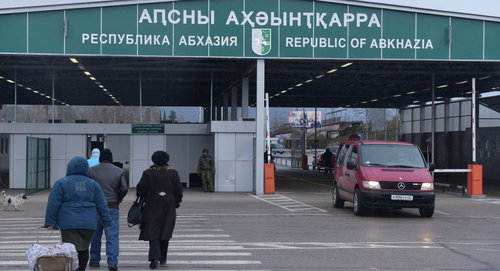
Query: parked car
(277,148)
(319,163)
(383,174)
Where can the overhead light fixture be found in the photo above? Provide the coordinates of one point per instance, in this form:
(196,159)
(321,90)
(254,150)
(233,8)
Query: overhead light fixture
(309,81)
(35,91)
(298,85)
(346,65)
(73,60)
(290,88)
(411,92)
(416,102)
(1,77)
(21,85)
(319,76)
(486,77)
(462,82)
(277,94)
(92,78)
(48,97)
(331,71)
(442,86)
(364,102)
(348,105)
(105,90)
(374,100)
(87,73)
(101,86)
(284,91)
(397,95)
(10,81)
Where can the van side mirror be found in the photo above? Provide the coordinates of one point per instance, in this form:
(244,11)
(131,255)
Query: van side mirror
(432,167)
(351,165)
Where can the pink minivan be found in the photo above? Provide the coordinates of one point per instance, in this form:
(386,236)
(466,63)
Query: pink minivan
(382,174)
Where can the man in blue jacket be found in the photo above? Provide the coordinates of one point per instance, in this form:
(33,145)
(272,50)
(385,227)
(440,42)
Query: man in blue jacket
(94,158)
(74,205)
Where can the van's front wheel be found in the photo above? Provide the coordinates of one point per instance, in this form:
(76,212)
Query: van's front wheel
(426,212)
(357,204)
(336,200)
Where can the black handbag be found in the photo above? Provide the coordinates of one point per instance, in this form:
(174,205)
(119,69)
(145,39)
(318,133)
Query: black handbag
(135,215)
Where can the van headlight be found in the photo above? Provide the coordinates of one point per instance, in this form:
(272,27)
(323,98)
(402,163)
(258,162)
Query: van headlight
(371,184)
(427,186)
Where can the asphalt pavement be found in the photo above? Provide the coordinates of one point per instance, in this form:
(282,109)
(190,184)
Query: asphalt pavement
(295,229)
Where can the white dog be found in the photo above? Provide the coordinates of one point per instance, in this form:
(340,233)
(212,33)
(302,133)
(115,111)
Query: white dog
(16,201)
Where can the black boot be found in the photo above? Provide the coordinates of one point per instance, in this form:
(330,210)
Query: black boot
(154,264)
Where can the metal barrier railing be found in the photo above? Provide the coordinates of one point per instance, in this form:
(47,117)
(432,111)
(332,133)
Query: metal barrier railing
(293,162)
(463,188)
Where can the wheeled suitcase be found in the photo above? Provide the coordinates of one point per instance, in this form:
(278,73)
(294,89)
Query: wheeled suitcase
(60,257)
(54,263)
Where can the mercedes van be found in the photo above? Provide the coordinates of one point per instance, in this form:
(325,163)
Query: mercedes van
(382,174)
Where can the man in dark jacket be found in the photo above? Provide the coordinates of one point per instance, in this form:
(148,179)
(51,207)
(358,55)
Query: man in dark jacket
(113,183)
(206,170)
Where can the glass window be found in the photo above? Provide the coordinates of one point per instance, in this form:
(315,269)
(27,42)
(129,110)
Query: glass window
(342,154)
(466,108)
(391,155)
(354,155)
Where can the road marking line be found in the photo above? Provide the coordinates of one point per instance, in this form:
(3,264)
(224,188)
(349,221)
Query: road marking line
(443,213)
(128,262)
(285,207)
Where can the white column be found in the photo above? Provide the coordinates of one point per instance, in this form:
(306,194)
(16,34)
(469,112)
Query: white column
(433,119)
(260,123)
(473,119)
(244,98)
(225,104)
(234,103)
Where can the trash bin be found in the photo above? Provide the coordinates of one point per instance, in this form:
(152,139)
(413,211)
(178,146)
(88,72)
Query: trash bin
(269,178)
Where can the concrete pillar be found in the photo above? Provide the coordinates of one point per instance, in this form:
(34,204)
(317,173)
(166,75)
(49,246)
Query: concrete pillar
(260,130)
(225,105)
(244,97)
(234,103)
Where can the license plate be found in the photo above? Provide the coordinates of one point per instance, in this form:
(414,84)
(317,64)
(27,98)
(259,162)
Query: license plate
(402,197)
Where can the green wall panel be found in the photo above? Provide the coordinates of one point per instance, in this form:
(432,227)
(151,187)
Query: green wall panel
(358,48)
(336,37)
(266,6)
(246,29)
(184,32)
(13,30)
(120,21)
(467,39)
(83,22)
(303,32)
(492,41)
(398,34)
(222,9)
(147,29)
(435,28)
(46,32)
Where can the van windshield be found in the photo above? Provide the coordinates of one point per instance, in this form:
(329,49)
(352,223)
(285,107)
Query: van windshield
(391,155)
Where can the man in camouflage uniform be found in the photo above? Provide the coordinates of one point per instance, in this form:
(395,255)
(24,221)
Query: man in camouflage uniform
(206,170)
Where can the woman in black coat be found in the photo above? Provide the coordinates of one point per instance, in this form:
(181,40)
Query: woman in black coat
(161,189)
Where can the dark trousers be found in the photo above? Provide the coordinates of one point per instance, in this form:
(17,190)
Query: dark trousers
(158,250)
(83,258)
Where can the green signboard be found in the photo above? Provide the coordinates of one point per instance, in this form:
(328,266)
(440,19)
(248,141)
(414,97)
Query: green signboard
(302,29)
(148,128)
